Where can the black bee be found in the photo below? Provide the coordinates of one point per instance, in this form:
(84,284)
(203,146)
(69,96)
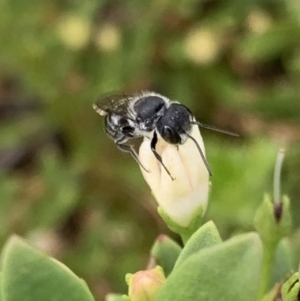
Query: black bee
(149,114)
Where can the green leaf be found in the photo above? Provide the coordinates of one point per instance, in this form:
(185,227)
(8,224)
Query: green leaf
(30,275)
(165,251)
(205,236)
(227,271)
(283,262)
(274,293)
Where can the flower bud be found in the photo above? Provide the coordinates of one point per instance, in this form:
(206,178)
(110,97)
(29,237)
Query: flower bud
(180,198)
(269,228)
(290,289)
(273,219)
(144,285)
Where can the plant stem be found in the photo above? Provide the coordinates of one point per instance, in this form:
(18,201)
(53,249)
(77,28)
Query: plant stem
(267,264)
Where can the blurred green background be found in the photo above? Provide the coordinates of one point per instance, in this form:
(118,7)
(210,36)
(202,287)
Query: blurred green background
(63,183)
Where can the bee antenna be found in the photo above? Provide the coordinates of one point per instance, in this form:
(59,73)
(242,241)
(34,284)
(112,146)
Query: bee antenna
(213,128)
(201,153)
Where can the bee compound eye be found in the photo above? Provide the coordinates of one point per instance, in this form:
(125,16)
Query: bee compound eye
(170,135)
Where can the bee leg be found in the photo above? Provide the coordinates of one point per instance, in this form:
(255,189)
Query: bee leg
(201,153)
(157,156)
(129,149)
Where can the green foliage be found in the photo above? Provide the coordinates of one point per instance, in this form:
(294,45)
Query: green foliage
(283,262)
(235,64)
(220,272)
(278,39)
(206,236)
(273,293)
(241,268)
(165,252)
(28,274)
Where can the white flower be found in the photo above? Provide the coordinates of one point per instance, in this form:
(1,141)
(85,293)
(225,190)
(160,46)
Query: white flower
(182,197)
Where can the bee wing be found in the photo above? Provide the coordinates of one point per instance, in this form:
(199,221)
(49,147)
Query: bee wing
(118,104)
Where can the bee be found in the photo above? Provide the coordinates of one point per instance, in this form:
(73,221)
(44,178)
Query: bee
(149,114)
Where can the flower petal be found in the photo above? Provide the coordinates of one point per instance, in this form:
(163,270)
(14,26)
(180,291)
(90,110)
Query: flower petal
(179,198)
